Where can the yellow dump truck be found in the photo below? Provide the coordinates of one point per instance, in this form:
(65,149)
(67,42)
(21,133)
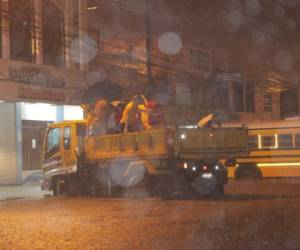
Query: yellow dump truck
(167,160)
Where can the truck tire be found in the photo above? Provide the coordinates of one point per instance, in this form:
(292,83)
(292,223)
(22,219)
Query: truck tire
(59,186)
(219,191)
(205,187)
(72,187)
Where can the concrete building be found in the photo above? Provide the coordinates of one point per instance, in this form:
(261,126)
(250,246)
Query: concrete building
(237,56)
(43,59)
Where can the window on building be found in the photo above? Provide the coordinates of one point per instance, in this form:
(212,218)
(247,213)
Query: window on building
(249,93)
(53,31)
(202,59)
(216,96)
(243,97)
(183,94)
(238,97)
(285,141)
(20,27)
(268,103)
(289,103)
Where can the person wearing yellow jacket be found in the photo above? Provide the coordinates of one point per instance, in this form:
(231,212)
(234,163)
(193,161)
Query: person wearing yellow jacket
(135,116)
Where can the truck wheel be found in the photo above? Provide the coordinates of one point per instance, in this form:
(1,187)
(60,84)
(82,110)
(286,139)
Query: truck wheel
(72,187)
(205,187)
(219,191)
(54,187)
(59,187)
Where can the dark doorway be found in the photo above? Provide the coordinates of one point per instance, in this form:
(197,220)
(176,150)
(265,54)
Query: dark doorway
(289,103)
(33,133)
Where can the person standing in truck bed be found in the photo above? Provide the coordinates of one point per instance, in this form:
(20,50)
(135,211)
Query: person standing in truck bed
(100,118)
(135,116)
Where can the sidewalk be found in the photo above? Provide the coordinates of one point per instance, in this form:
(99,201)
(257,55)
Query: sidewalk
(25,191)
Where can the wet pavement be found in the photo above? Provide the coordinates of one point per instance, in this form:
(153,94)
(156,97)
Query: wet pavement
(27,190)
(253,215)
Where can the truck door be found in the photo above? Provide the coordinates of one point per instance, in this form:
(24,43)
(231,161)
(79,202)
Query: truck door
(52,161)
(68,148)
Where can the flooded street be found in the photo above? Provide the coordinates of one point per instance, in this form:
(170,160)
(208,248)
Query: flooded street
(253,215)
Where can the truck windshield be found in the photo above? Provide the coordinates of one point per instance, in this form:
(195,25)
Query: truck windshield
(53,142)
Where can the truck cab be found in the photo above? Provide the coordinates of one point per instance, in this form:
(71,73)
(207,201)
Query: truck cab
(62,145)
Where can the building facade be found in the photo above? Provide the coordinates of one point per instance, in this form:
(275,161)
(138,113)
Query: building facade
(42,59)
(235,56)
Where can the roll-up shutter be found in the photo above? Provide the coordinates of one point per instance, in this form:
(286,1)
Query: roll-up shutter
(8,147)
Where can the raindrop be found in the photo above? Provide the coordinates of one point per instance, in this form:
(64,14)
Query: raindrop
(94,77)
(234,21)
(294,78)
(253,7)
(279,11)
(126,174)
(290,25)
(284,61)
(83,49)
(260,37)
(289,3)
(271,28)
(169,43)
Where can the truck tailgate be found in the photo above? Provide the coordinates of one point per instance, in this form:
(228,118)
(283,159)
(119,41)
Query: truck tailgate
(206,143)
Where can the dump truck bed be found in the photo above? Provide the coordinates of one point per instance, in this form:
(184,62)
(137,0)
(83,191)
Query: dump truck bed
(180,142)
(146,144)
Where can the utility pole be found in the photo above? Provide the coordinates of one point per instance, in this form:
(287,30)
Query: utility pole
(151,86)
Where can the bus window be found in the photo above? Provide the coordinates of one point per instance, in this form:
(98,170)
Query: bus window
(253,141)
(297,140)
(53,142)
(268,141)
(285,141)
